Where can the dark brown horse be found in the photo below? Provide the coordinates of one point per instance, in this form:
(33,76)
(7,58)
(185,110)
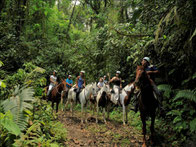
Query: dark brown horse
(55,95)
(147,101)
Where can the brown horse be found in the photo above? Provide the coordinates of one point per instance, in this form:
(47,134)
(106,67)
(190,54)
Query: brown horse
(55,95)
(147,101)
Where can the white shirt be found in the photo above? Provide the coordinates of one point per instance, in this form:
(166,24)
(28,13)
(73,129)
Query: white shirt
(53,78)
(100,84)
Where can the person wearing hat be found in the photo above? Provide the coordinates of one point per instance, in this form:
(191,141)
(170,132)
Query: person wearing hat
(116,80)
(69,82)
(104,79)
(80,83)
(53,82)
(151,71)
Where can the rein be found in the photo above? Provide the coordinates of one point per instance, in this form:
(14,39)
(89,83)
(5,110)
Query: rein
(57,89)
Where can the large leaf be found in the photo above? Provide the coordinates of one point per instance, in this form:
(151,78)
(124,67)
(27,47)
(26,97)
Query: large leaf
(193,125)
(188,94)
(21,100)
(9,124)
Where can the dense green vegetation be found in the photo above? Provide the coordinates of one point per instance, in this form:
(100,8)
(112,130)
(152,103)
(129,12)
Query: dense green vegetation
(98,36)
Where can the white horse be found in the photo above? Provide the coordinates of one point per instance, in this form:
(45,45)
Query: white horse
(83,98)
(125,97)
(102,100)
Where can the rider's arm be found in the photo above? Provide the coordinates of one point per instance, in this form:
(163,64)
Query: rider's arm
(98,85)
(71,83)
(112,80)
(84,82)
(51,80)
(154,70)
(77,82)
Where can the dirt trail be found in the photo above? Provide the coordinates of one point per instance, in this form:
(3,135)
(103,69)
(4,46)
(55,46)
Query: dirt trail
(91,134)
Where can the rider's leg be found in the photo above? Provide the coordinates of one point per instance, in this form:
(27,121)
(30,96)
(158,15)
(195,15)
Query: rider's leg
(49,89)
(158,94)
(117,93)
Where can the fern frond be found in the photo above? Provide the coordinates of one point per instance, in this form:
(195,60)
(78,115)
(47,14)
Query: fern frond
(21,100)
(167,89)
(164,87)
(187,94)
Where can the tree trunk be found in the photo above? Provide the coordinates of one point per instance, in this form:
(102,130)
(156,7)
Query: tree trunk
(70,19)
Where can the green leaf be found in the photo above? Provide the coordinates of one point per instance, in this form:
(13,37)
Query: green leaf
(1,63)
(194,76)
(7,122)
(188,94)
(193,125)
(2,84)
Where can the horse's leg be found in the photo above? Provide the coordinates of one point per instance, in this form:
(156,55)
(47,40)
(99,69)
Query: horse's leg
(152,128)
(52,105)
(108,113)
(143,118)
(104,115)
(72,108)
(126,111)
(82,111)
(124,115)
(62,101)
(85,117)
(97,113)
(57,106)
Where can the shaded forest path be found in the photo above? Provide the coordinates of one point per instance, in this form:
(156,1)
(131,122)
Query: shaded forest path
(91,134)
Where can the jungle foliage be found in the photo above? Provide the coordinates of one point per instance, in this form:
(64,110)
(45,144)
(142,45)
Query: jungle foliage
(98,36)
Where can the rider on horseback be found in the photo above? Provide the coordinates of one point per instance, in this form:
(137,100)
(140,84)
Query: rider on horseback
(151,70)
(100,83)
(117,86)
(80,83)
(53,81)
(105,80)
(69,84)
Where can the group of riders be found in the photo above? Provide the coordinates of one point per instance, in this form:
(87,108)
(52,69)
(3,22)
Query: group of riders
(80,83)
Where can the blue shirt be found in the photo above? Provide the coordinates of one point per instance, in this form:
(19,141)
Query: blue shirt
(151,68)
(80,82)
(69,81)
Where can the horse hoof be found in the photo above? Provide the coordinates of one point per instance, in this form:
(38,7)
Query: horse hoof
(124,124)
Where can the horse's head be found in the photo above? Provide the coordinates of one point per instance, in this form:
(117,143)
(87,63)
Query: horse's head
(106,88)
(63,84)
(94,88)
(139,73)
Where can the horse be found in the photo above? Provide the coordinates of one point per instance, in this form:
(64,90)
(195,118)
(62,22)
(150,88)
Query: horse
(93,101)
(147,101)
(83,98)
(55,95)
(104,100)
(124,98)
